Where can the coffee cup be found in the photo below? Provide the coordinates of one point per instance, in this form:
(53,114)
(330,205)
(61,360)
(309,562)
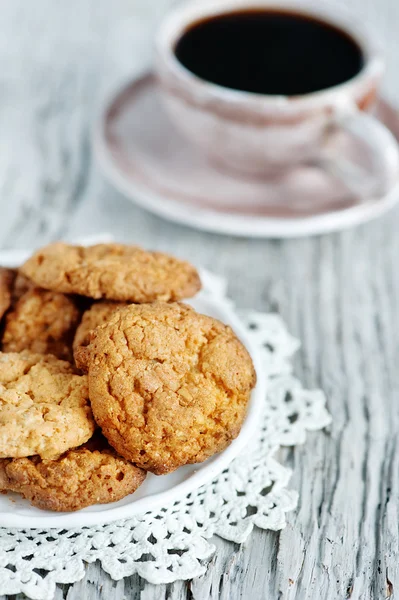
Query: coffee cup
(258,119)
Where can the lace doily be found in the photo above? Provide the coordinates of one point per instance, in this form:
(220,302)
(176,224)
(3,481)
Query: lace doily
(175,543)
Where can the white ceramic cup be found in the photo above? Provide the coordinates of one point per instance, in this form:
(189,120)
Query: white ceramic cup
(260,134)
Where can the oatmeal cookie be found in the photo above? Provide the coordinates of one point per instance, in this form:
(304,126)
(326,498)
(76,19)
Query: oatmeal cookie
(44,406)
(98,314)
(43,322)
(168,386)
(12,285)
(91,474)
(7,278)
(112,271)
(21,285)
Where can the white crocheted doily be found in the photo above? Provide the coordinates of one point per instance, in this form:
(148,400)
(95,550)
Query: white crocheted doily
(175,543)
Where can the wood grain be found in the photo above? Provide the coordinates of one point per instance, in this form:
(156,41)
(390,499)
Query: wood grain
(338,293)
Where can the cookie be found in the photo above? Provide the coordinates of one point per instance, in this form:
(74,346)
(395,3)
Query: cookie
(21,285)
(91,474)
(43,322)
(7,278)
(98,314)
(112,271)
(12,285)
(168,386)
(45,407)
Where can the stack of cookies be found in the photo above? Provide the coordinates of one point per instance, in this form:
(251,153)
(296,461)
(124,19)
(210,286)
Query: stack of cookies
(105,375)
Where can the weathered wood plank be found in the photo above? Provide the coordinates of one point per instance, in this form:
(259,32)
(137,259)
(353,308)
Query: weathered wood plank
(339,294)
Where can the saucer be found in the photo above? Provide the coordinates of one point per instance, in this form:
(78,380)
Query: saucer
(150,162)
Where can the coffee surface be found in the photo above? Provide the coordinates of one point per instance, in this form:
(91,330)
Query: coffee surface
(269,52)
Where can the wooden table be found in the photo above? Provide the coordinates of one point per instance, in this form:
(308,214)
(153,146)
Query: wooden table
(338,293)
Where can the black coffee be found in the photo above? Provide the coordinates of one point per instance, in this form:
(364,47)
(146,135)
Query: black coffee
(269,52)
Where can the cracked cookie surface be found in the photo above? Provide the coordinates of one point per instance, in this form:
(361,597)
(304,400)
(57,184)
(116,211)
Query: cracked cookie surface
(112,271)
(168,386)
(98,314)
(91,474)
(43,322)
(44,406)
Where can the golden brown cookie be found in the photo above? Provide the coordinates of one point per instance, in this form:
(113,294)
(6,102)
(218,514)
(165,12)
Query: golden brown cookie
(98,314)
(168,386)
(91,474)
(4,481)
(7,278)
(112,271)
(44,406)
(43,322)
(21,285)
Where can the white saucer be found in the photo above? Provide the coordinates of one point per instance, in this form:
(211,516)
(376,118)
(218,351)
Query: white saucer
(156,492)
(147,159)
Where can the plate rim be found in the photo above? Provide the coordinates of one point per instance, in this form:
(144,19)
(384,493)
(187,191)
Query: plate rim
(205,472)
(212,221)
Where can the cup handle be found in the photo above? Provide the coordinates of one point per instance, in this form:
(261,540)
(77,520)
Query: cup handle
(371,180)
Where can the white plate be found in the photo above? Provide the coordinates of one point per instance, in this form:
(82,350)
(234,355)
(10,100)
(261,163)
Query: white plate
(157,491)
(146,158)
